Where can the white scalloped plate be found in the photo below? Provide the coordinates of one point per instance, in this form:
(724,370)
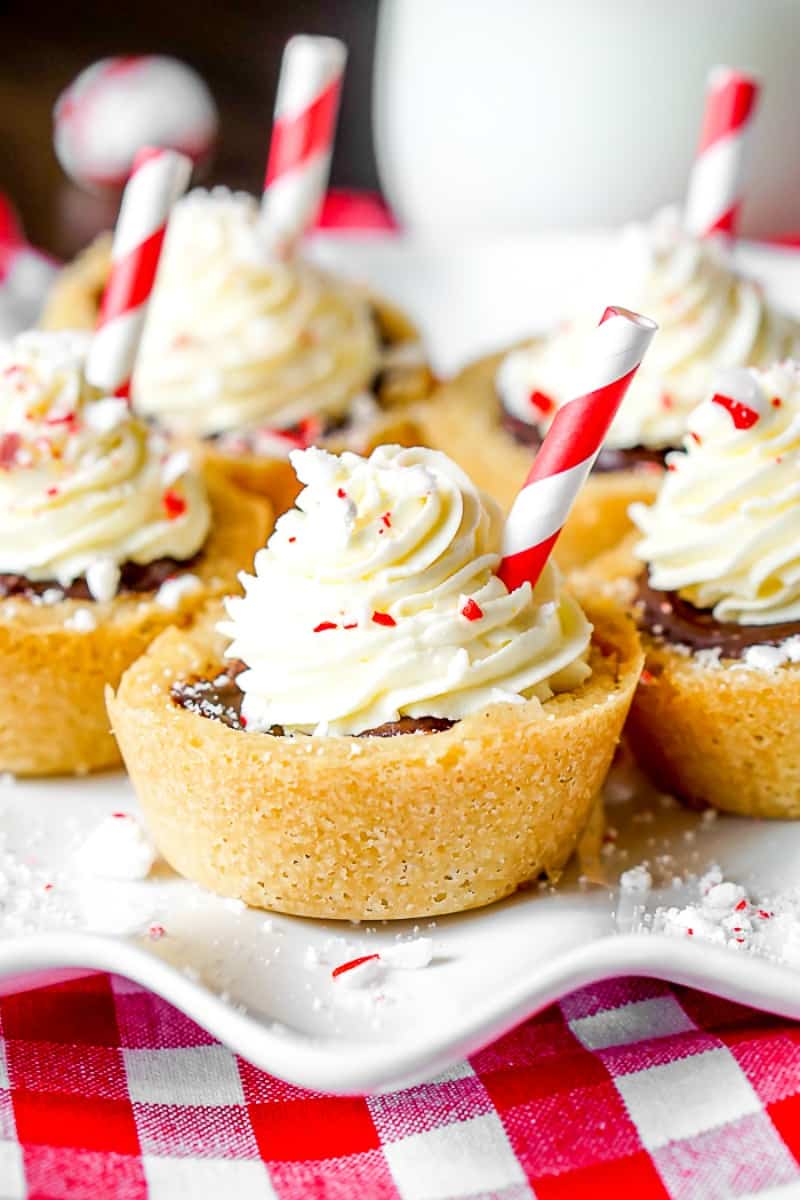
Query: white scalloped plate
(244,976)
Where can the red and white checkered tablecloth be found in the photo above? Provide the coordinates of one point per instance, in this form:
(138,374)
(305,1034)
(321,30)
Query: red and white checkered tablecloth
(626,1088)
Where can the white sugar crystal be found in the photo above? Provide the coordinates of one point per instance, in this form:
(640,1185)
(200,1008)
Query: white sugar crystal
(82,620)
(102,579)
(637,879)
(310,958)
(409,956)
(173,591)
(117,848)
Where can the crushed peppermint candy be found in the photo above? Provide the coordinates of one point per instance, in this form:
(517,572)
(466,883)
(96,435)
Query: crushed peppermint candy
(722,913)
(82,620)
(176,465)
(472,610)
(174,590)
(412,955)
(102,579)
(742,415)
(117,848)
(174,504)
(383,618)
(771,658)
(358,971)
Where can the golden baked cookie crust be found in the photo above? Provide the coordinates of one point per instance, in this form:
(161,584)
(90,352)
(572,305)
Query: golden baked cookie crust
(53,719)
(357,828)
(720,734)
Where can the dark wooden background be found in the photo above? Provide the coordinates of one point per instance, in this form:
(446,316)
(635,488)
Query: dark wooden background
(235,45)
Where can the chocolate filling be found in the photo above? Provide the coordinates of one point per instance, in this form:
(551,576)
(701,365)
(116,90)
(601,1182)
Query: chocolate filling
(668,616)
(220,699)
(134,577)
(609,459)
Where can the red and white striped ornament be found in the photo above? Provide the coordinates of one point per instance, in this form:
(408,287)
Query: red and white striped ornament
(573,441)
(715,184)
(119,104)
(159,177)
(303,131)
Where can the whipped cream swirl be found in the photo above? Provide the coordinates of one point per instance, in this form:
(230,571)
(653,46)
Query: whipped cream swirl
(377,598)
(84,486)
(725,529)
(237,338)
(709,318)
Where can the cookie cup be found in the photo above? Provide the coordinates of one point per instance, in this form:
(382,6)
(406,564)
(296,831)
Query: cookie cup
(463,418)
(54,669)
(361,828)
(73,303)
(715,733)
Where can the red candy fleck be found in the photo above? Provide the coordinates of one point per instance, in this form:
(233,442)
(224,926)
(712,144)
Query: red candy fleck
(776,402)
(695,436)
(52,491)
(9,445)
(309,430)
(671,467)
(120,816)
(741,906)
(382,618)
(764,915)
(387,520)
(341,493)
(666,401)
(292,539)
(174,504)
(472,611)
(243,722)
(69,418)
(742,415)
(156,932)
(352,625)
(542,402)
(323,625)
(690,932)
(352,964)
(48,887)
(647,677)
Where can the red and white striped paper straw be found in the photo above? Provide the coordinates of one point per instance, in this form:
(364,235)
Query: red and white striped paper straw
(158,177)
(715,184)
(303,131)
(571,445)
